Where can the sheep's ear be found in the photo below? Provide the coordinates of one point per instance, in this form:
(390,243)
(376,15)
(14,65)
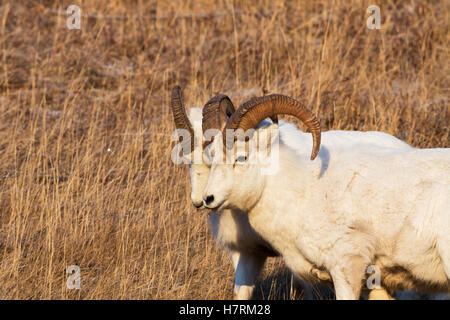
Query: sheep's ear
(268,134)
(268,150)
(266,138)
(273,133)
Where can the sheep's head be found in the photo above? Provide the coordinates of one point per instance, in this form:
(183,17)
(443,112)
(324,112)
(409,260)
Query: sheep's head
(214,115)
(240,160)
(236,173)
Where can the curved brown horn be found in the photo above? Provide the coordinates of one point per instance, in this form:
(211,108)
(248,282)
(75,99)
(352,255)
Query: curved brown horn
(215,114)
(252,112)
(179,114)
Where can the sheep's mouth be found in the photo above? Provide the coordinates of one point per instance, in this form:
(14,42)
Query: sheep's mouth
(216,207)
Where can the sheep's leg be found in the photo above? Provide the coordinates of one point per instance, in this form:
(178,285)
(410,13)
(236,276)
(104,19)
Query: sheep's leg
(446,261)
(444,250)
(345,290)
(348,277)
(445,258)
(247,269)
(443,236)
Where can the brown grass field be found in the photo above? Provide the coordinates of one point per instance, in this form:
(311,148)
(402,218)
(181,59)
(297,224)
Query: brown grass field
(85,129)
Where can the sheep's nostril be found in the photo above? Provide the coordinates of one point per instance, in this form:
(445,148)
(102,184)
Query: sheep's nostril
(209,199)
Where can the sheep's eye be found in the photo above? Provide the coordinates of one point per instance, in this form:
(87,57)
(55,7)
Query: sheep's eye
(241,159)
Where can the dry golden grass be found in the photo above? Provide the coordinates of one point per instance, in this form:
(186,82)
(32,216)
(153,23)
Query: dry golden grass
(85,169)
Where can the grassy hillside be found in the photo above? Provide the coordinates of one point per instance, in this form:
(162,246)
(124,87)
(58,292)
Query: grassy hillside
(85,129)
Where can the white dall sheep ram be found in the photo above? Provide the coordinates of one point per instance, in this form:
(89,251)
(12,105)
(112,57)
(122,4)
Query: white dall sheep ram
(231,229)
(353,207)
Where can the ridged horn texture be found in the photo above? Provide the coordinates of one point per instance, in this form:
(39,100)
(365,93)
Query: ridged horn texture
(179,115)
(252,112)
(215,113)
